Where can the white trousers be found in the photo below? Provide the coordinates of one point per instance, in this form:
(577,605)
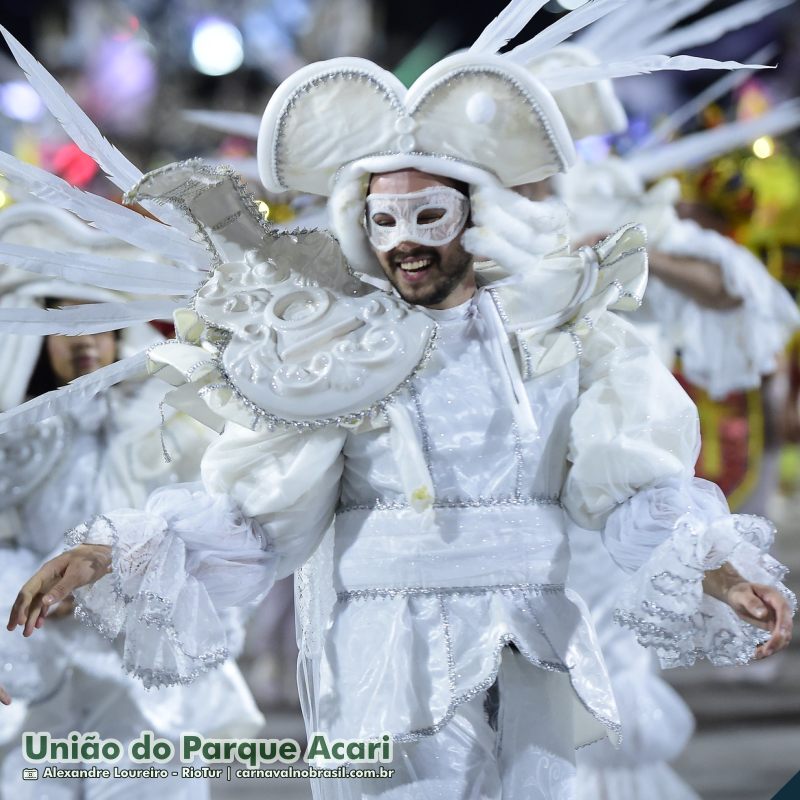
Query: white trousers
(512,742)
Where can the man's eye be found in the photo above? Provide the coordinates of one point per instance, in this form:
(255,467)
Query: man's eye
(384,220)
(430,215)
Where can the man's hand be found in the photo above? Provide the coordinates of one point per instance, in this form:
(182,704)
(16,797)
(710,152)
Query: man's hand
(755,603)
(55,580)
(5,697)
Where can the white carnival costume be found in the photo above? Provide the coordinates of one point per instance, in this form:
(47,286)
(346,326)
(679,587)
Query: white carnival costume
(723,351)
(103,453)
(414,467)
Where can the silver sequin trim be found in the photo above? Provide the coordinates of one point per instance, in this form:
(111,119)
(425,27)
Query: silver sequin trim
(466,502)
(441,591)
(519,460)
(159,677)
(423,429)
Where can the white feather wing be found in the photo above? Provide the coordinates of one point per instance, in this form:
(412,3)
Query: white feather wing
(506,25)
(85,318)
(105,272)
(73,394)
(125,224)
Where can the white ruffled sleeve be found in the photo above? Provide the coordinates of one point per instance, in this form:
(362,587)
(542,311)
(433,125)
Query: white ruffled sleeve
(634,442)
(195,550)
(724,350)
(671,534)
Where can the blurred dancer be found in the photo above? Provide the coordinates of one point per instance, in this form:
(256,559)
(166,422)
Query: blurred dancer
(105,452)
(713,302)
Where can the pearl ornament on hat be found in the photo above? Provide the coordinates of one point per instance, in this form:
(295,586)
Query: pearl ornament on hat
(481,108)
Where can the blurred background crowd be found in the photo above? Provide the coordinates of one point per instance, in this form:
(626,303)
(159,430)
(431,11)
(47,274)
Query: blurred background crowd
(146,70)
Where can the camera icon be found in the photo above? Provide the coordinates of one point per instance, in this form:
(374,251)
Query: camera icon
(30,774)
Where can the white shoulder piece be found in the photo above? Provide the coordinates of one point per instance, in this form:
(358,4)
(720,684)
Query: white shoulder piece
(281,328)
(299,350)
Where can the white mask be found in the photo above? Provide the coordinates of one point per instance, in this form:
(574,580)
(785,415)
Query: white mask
(402,213)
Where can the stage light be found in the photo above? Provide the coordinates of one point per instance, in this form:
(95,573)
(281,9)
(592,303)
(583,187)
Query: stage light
(763,147)
(19,100)
(216,47)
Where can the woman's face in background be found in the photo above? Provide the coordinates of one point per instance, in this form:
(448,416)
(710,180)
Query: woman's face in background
(73,356)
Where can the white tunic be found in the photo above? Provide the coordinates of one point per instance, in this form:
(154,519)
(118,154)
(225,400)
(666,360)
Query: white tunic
(423,598)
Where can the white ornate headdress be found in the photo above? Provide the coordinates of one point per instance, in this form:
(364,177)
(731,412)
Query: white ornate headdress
(477,117)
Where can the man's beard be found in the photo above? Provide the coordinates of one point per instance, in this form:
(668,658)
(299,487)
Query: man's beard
(448,274)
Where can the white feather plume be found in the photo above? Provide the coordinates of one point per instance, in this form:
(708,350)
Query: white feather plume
(73,394)
(237,123)
(651,23)
(562,29)
(700,147)
(84,132)
(609,29)
(73,119)
(715,26)
(105,272)
(84,318)
(719,88)
(641,65)
(125,224)
(506,25)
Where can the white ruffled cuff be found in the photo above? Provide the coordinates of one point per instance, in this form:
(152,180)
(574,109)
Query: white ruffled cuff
(177,567)
(664,603)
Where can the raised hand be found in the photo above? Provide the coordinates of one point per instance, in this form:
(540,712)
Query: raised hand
(55,580)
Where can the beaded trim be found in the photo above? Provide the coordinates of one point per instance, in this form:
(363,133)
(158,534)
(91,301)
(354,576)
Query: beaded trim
(442,591)
(424,431)
(527,363)
(623,292)
(503,641)
(354,418)
(519,459)
(465,502)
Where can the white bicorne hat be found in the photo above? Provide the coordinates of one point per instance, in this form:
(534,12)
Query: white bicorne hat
(480,119)
(590,109)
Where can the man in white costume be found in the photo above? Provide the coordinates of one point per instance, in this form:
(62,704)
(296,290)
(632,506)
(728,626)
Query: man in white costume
(105,452)
(409,440)
(707,296)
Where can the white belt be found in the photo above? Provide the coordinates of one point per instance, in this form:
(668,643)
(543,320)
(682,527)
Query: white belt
(499,544)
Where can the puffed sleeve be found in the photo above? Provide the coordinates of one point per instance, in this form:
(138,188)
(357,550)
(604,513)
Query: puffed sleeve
(633,445)
(724,350)
(265,501)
